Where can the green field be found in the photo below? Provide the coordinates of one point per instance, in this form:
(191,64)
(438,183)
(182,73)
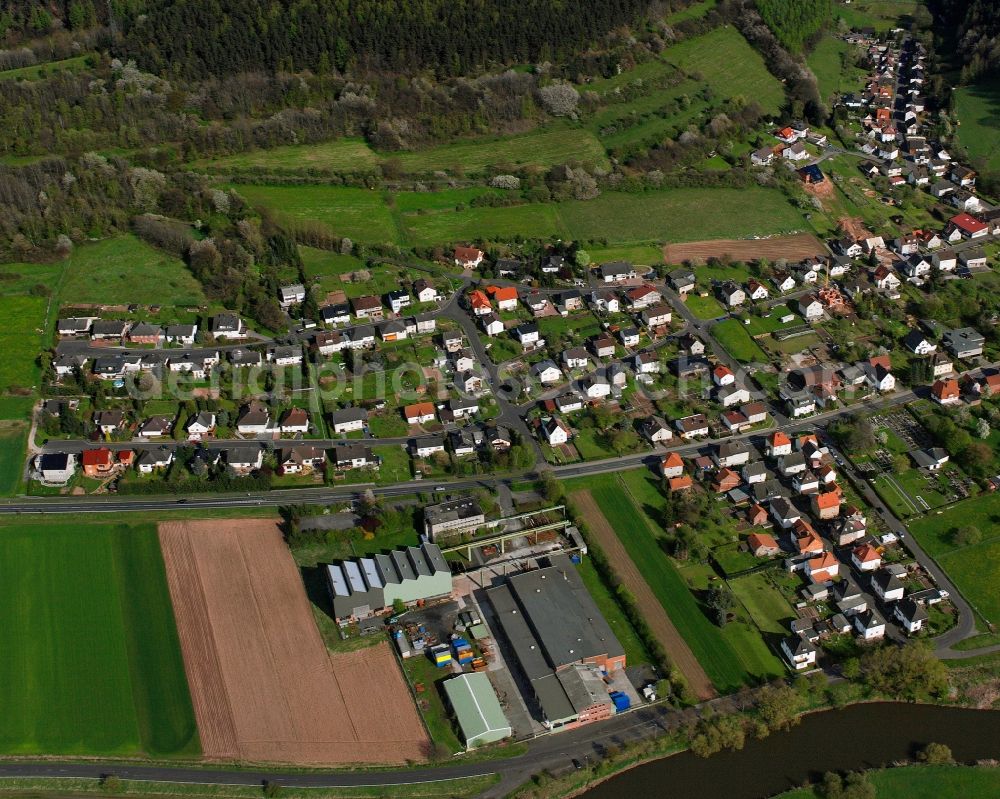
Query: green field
(680,215)
(639,254)
(340,155)
(536,221)
(729,66)
(732,334)
(21,340)
(879,14)
(696,10)
(125,270)
(727,667)
(557,144)
(975,569)
(766,605)
(828,61)
(91,662)
(37,71)
(615,219)
(704,307)
(978,111)
(925,782)
(360,214)
(13,441)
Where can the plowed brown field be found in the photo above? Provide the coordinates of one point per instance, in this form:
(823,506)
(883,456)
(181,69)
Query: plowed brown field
(264,685)
(652,611)
(797,247)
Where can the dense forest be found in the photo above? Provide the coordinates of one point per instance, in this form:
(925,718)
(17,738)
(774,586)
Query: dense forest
(796,23)
(976,26)
(197,38)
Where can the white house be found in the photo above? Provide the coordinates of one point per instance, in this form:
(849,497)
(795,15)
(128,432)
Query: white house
(869,625)
(200,425)
(799,653)
(546,372)
(555,432)
(810,307)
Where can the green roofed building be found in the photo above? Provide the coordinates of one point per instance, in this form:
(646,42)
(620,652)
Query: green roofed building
(477,709)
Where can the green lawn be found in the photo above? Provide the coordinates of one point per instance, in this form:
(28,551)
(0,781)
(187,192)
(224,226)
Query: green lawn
(925,782)
(395,466)
(21,278)
(716,654)
(704,307)
(360,214)
(831,63)
(729,66)
(614,219)
(13,442)
(695,10)
(91,662)
(879,14)
(732,334)
(125,270)
(340,155)
(677,215)
(557,144)
(22,338)
(446,199)
(535,221)
(975,569)
(978,110)
(766,604)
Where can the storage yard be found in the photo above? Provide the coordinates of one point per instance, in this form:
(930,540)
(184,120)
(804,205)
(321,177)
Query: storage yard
(264,686)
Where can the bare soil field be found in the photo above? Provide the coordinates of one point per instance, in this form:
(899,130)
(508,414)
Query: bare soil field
(265,687)
(659,622)
(794,248)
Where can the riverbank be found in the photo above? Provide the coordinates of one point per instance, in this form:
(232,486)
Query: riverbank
(863,736)
(916,781)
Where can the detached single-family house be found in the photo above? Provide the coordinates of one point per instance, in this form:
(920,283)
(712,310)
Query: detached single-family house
(672,465)
(152,460)
(917,343)
(617,272)
(468,257)
(869,625)
(419,413)
(424,291)
(910,615)
(181,334)
(348,420)
(887,586)
(732,294)
(692,426)
(254,418)
(294,420)
(964,342)
(798,652)
(866,558)
(946,392)
(244,459)
(576,358)
(527,335)
(761,545)
(554,431)
(368,307)
(228,326)
(300,460)
(295,294)
(656,429)
(810,307)
(682,280)
(546,372)
(201,425)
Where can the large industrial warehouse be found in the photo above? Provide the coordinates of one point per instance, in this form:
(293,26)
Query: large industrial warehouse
(362,587)
(560,640)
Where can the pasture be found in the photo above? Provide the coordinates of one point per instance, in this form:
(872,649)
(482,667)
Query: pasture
(612,220)
(976,568)
(978,110)
(91,662)
(124,270)
(830,62)
(924,782)
(22,338)
(359,214)
(557,144)
(339,155)
(729,66)
(49,68)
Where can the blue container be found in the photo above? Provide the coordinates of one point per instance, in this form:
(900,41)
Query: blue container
(621,701)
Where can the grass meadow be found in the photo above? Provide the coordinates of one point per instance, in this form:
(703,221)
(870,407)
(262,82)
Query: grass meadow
(13,442)
(21,340)
(729,66)
(974,569)
(924,782)
(978,110)
(616,219)
(125,270)
(91,661)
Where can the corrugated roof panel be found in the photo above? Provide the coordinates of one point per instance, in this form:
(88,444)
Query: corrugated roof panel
(337,580)
(371,572)
(354,576)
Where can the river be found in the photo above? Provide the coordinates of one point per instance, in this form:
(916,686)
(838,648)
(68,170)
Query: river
(857,737)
